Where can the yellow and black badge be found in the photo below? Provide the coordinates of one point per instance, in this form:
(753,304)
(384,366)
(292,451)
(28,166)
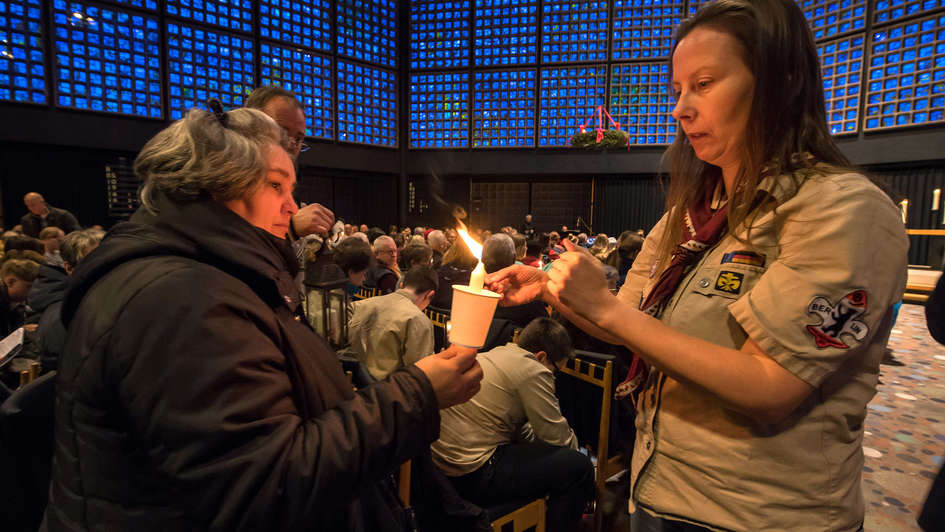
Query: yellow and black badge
(730,282)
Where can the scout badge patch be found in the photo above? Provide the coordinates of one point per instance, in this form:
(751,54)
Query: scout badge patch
(838,319)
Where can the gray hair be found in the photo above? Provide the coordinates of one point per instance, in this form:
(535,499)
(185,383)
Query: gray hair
(383,241)
(78,244)
(198,154)
(498,252)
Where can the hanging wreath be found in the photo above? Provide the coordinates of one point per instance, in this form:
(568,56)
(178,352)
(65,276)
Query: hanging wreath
(611,138)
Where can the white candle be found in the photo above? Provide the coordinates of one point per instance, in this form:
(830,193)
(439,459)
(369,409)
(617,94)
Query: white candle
(904,209)
(936,195)
(478,277)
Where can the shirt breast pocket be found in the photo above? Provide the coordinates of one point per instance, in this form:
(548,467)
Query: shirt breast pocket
(729,281)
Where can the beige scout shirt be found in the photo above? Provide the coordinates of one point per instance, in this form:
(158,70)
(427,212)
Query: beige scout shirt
(814,291)
(517,402)
(389,332)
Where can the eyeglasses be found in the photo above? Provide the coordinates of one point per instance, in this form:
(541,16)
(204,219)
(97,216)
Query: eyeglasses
(300,142)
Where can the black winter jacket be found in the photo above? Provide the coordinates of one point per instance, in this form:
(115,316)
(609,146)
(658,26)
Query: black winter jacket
(190,397)
(45,304)
(61,218)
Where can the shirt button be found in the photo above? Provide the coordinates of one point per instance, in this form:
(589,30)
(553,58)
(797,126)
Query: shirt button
(704,283)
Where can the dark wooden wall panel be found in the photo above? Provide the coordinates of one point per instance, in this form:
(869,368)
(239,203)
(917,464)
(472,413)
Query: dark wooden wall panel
(627,204)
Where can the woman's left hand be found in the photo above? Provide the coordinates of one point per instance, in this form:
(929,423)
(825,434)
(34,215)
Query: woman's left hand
(577,279)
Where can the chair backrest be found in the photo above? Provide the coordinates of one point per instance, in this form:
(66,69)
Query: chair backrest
(366,292)
(599,373)
(27,422)
(439,317)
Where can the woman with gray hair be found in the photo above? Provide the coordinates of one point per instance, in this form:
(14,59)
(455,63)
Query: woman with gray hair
(190,394)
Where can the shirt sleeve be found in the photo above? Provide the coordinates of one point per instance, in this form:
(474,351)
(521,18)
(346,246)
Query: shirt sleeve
(537,392)
(841,267)
(639,275)
(419,340)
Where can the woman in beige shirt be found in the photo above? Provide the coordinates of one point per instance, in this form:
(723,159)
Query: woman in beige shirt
(759,306)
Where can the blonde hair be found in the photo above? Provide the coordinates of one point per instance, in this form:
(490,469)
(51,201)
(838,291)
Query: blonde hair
(24,270)
(199,154)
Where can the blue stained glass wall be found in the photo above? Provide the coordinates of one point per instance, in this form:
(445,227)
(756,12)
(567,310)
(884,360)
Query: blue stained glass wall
(890,10)
(303,22)
(439,34)
(569,96)
(640,101)
(506,33)
(504,109)
(367,30)
(22,74)
(439,110)
(572,31)
(367,105)
(694,6)
(230,14)
(832,17)
(205,64)
(643,29)
(906,83)
(107,60)
(841,65)
(144,4)
(306,74)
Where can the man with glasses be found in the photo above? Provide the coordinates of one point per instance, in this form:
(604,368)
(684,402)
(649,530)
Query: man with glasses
(283,107)
(510,441)
(385,273)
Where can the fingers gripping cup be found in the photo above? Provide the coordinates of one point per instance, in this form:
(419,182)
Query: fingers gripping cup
(471,315)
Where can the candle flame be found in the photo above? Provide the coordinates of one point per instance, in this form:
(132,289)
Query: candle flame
(474,247)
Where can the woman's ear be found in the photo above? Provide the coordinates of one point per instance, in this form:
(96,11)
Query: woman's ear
(541,356)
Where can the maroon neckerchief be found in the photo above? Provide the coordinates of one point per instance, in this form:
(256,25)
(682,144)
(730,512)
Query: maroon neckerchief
(702,229)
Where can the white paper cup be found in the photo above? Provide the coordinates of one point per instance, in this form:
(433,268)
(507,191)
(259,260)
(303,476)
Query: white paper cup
(471,316)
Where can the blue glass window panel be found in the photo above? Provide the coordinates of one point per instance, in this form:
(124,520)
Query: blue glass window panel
(205,64)
(306,74)
(367,105)
(643,29)
(842,54)
(829,18)
(694,5)
(145,4)
(568,97)
(22,71)
(504,109)
(439,34)
(439,110)
(573,31)
(367,30)
(634,88)
(910,72)
(505,33)
(302,22)
(891,10)
(120,50)
(234,15)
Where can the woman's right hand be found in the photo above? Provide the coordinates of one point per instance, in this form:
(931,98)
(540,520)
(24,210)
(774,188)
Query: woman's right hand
(518,284)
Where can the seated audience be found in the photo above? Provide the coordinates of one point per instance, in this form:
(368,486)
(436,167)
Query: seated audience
(499,252)
(45,296)
(391,332)
(385,273)
(52,240)
(354,257)
(458,264)
(417,255)
(521,246)
(438,242)
(532,254)
(17,276)
(628,246)
(510,442)
(191,397)
(43,215)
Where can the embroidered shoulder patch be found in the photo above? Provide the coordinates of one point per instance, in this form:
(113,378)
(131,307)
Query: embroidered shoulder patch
(744,257)
(838,319)
(730,282)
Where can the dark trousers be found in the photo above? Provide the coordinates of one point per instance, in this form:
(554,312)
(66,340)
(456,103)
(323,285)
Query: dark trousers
(531,470)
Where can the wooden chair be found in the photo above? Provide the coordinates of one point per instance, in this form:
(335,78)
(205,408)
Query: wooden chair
(599,375)
(530,517)
(365,292)
(439,317)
